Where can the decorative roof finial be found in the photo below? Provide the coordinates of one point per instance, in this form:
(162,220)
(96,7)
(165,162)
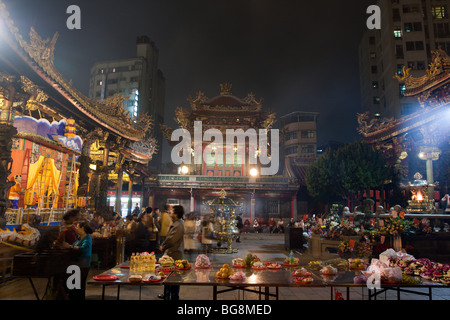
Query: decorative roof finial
(225,89)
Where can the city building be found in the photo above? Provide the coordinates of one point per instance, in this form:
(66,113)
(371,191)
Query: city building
(299,150)
(410,31)
(139,80)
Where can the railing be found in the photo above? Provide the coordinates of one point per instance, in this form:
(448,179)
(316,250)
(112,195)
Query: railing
(21,216)
(220,179)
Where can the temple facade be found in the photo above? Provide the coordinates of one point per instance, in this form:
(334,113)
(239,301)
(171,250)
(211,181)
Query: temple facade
(201,179)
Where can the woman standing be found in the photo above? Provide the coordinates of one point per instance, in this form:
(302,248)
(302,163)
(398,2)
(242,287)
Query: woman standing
(84,247)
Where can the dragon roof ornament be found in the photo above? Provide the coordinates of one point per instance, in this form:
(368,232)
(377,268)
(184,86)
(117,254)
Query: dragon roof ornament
(438,72)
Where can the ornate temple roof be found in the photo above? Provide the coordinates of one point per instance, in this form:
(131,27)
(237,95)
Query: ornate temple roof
(438,74)
(432,91)
(224,111)
(37,59)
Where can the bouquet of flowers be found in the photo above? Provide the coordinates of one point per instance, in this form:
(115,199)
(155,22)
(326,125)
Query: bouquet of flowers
(359,249)
(395,226)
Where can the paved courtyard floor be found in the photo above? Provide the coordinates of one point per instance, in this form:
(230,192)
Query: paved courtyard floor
(269,247)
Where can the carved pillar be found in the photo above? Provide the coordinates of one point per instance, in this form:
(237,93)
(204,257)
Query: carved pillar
(7,131)
(118,205)
(85,161)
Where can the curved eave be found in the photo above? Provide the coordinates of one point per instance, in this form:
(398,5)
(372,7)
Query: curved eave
(436,83)
(73,103)
(407,123)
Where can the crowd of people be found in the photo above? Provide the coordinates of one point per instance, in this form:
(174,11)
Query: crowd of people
(164,232)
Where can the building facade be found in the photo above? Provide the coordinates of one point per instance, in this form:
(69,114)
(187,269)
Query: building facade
(139,80)
(260,196)
(410,31)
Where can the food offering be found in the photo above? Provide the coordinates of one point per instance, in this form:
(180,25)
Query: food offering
(258,265)
(142,262)
(225,272)
(135,278)
(182,265)
(250,259)
(303,280)
(238,276)
(274,266)
(166,263)
(301,273)
(152,278)
(356,264)
(238,263)
(329,271)
(202,262)
(288,263)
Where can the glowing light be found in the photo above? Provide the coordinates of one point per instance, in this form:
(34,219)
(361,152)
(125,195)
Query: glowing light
(184,170)
(253,172)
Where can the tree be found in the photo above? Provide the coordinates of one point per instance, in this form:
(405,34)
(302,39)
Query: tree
(345,171)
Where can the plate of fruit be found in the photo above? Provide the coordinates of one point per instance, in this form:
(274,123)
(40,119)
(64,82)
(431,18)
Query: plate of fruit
(302,272)
(274,266)
(182,265)
(225,272)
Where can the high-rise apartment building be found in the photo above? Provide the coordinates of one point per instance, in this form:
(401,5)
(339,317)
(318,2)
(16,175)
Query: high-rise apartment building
(138,79)
(410,31)
(299,148)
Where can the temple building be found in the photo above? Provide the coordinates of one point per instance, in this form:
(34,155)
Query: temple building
(418,144)
(58,146)
(202,178)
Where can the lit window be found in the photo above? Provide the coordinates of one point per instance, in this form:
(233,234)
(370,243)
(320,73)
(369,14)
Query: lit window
(439,12)
(398,32)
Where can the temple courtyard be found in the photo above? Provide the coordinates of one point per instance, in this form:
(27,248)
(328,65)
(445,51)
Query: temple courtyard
(269,247)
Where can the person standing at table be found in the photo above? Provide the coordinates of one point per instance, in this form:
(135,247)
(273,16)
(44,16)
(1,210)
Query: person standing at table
(69,232)
(173,247)
(84,247)
(165,222)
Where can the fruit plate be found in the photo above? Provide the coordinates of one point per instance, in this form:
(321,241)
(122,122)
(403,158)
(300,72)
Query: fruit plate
(217,277)
(105,277)
(188,268)
(165,270)
(277,267)
(236,266)
(259,268)
(303,280)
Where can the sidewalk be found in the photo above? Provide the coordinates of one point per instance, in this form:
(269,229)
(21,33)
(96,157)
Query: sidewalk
(269,247)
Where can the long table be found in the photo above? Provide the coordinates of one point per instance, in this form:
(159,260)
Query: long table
(122,272)
(261,281)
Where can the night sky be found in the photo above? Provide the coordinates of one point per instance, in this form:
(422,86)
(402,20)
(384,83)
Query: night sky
(296,55)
